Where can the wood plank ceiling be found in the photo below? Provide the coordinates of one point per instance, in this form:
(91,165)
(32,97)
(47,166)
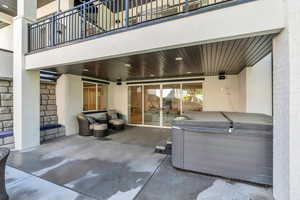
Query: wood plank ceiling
(207,59)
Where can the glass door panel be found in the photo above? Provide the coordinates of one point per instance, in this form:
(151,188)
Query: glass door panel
(135,107)
(171,103)
(192,98)
(152,105)
(89,94)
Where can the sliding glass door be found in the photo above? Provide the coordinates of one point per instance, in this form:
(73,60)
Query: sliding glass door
(170,103)
(152,106)
(192,98)
(135,107)
(159,104)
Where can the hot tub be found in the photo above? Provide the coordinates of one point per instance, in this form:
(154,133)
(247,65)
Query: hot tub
(231,145)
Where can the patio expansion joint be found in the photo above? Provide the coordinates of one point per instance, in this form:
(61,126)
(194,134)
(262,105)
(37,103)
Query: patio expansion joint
(150,178)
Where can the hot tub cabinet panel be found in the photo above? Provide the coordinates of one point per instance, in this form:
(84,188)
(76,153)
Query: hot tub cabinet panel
(237,152)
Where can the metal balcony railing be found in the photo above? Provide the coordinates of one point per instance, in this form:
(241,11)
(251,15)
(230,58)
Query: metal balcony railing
(101,16)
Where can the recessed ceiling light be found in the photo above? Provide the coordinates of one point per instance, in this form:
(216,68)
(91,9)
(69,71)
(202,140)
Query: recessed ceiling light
(127,65)
(178,58)
(4,6)
(189,72)
(85,70)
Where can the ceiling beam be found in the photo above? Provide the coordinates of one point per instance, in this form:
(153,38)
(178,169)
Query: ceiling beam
(6,18)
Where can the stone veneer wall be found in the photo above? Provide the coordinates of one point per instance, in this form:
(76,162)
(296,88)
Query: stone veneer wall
(6,103)
(48,104)
(48,111)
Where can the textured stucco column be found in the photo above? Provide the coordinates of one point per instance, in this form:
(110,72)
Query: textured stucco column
(65,4)
(26,83)
(287,106)
(69,100)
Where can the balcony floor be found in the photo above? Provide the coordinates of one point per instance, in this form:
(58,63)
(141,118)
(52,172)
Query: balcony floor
(125,167)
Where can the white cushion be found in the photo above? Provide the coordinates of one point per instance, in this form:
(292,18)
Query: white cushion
(116,121)
(100,127)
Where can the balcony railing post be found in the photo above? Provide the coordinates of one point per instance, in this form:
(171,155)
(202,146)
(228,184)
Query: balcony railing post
(84,21)
(127,13)
(186,5)
(53,31)
(29,38)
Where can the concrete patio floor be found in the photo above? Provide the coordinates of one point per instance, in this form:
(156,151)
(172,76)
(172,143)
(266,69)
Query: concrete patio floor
(125,167)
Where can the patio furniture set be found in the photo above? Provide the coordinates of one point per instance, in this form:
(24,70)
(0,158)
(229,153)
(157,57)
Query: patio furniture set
(99,125)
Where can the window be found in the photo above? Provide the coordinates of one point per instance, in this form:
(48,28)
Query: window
(94,96)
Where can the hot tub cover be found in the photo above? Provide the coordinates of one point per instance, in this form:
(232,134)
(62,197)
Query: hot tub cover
(211,122)
(227,123)
(252,123)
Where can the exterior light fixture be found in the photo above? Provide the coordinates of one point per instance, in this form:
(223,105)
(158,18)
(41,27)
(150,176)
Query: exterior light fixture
(127,65)
(152,75)
(85,70)
(178,58)
(189,72)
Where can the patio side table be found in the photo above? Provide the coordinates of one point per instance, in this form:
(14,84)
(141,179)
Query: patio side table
(4,152)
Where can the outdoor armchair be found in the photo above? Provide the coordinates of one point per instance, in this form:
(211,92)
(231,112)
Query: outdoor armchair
(115,120)
(85,125)
(4,152)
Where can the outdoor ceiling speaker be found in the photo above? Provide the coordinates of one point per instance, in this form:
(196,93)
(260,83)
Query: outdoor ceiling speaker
(222,76)
(119,81)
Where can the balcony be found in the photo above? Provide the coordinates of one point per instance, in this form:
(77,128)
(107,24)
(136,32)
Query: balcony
(218,22)
(97,18)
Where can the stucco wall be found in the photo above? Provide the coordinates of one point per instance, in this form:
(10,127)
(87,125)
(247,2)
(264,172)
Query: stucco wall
(243,90)
(118,98)
(6,61)
(256,87)
(69,101)
(259,87)
(6,38)
(221,95)
(286,82)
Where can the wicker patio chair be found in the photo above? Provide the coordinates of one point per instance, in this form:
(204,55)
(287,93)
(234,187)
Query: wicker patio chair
(115,120)
(85,125)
